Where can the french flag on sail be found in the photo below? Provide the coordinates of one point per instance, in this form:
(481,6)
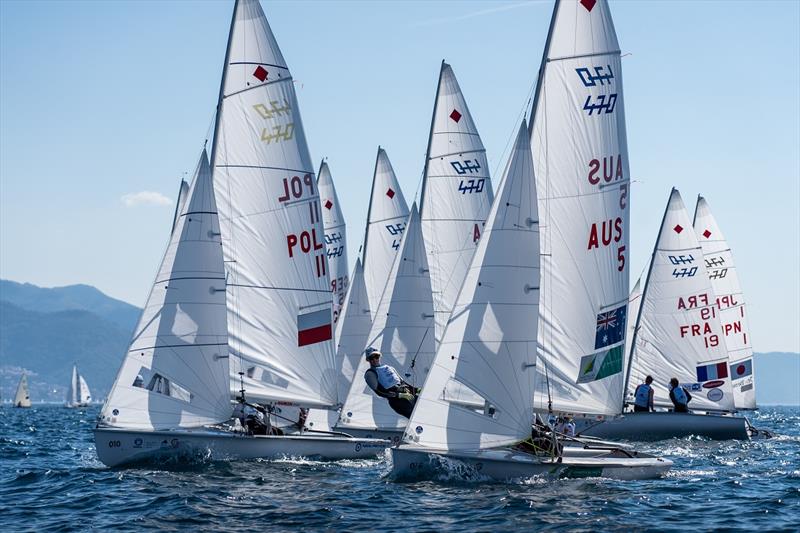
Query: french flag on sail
(742,369)
(314,327)
(712,371)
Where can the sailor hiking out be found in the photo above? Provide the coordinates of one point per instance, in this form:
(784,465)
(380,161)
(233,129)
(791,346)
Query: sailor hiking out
(643,396)
(387,383)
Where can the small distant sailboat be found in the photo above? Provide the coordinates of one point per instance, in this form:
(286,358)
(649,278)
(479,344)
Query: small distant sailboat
(78,394)
(23,397)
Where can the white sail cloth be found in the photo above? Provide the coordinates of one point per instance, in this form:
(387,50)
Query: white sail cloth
(456,195)
(490,343)
(278,297)
(183,193)
(634,303)
(386,222)
(335,239)
(581,163)
(678,333)
(22,398)
(730,304)
(175,373)
(78,390)
(402,331)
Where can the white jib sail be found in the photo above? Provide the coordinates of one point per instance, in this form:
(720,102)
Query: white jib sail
(678,333)
(730,304)
(85,395)
(278,293)
(634,303)
(175,373)
(489,345)
(580,154)
(22,398)
(456,195)
(335,239)
(386,221)
(402,331)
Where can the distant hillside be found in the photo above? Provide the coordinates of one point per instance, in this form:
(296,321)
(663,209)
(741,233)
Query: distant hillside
(777,378)
(69,298)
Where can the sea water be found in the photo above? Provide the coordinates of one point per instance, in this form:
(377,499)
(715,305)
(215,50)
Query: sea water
(51,479)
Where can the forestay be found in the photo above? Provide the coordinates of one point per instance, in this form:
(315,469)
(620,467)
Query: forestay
(730,304)
(175,373)
(456,195)
(489,345)
(634,303)
(279,300)
(678,332)
(402,331)
(335,238)
(581,162)
(386,221)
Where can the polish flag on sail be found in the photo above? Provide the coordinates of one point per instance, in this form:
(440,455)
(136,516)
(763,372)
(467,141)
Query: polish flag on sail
(314,327)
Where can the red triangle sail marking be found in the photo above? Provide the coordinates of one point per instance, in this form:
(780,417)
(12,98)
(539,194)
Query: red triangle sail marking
(328,204)
(588,4)
(455,115)
(706,234)
(390,193)
(678,228)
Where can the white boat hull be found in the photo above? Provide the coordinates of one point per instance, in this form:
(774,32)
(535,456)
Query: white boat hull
(121,446)
(505,464)
(667,425)
(394,435)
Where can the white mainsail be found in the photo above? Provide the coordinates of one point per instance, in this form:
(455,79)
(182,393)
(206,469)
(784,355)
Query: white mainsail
(22,398)
(386,221)
(73,391)
(175,373)
(730,304)
(580,154)
(678,331)
(402,331)
(85,394)
(490,342)
(335,238)
(456,195)
(278,291)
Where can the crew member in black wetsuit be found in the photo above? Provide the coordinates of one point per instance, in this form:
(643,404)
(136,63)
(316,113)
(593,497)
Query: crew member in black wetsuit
(387,383)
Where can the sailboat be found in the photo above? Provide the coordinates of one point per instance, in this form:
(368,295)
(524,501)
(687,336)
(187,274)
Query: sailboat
(402,331)
(22,398)
(242,301)
(679,334)
(78,394)
(490,348)
(387,216)
(335,238)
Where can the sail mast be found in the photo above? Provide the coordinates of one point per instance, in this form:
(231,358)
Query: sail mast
(222,90)
(430,140)
(542,66)
(641,307)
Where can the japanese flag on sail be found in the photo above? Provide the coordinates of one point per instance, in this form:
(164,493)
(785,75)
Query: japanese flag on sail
(742,369)
(314,327)
(712,371)
(610,327)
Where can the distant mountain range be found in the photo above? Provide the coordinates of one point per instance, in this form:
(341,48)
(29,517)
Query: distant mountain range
(43,331)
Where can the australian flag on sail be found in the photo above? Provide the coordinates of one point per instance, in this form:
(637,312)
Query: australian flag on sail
(314,327)
(610,327)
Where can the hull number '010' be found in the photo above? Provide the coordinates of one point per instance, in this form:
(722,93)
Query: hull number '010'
(114,444)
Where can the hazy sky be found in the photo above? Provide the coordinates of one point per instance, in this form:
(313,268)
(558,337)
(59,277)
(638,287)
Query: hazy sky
(104,106)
